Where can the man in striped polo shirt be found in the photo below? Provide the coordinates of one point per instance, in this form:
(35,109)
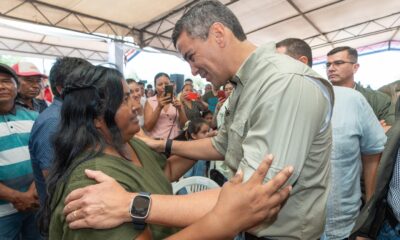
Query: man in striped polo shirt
(18,197)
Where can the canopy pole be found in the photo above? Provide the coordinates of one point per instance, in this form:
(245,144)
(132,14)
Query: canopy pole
(116,54)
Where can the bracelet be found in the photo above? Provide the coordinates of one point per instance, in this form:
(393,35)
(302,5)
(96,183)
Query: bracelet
(168,147)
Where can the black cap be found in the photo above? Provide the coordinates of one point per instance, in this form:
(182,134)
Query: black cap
(7,70)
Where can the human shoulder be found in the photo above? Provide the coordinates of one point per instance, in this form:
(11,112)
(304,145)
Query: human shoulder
(25,114)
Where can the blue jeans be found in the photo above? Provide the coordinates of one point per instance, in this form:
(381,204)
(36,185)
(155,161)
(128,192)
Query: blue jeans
(198,169)
(19,226)
(389,233)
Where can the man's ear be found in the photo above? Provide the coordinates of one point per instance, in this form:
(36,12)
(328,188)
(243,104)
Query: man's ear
(303,59)
(355,67)
(218,33)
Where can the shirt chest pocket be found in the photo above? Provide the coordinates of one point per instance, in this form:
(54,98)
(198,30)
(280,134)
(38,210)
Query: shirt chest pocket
(237,133)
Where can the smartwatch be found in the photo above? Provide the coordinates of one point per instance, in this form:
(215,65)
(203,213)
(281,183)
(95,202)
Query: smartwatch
(139,210)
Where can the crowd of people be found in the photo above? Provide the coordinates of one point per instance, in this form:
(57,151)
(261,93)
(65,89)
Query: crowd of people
(297,155)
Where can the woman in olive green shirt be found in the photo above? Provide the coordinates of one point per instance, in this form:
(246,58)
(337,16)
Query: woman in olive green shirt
(98,122)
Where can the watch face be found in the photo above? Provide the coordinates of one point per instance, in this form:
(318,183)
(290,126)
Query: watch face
(140,206)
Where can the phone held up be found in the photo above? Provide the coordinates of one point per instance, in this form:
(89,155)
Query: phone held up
(169,91)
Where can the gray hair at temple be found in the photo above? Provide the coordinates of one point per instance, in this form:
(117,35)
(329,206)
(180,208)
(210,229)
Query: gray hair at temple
(296,48)
(198,20)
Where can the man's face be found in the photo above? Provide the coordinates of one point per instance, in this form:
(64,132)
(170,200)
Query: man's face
(8,88)
(30,87)
(141,90)
(204,57)
(340,68)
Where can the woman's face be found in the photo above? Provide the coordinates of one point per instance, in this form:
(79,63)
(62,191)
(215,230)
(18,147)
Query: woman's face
(136,92)
(208,118)
(126,115)
(161,82)
(228,89)
(187,88)
(202,133)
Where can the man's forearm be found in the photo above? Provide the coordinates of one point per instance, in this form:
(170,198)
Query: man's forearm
(370,166)
(181,211)
(7,193)
(201,149)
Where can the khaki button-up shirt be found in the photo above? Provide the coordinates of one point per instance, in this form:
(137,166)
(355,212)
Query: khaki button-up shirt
(283,107)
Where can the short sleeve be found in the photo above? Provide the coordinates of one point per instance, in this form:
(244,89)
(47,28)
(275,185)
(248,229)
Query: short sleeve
(77,180)
(373,137)
(41,143)
(220,142)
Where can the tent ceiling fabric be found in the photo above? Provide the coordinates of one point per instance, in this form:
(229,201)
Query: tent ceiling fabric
(322,23)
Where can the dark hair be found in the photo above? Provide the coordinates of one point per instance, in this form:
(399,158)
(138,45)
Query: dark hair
(61,69)
(186,84)
(197,21)
(296,48)
(353,54)
(205,113)
(157,76)
(191,127)
(188,80)
(141,83)
(90,92)
(130,80)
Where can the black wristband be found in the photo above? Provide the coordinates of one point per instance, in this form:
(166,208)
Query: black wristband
(168,147)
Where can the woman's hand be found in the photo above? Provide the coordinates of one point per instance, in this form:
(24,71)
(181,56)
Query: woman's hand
(163,101)
(176,103)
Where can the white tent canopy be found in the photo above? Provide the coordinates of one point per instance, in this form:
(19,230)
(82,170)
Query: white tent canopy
(324,24)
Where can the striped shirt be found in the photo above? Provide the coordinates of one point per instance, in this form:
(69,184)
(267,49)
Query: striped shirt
(15,161)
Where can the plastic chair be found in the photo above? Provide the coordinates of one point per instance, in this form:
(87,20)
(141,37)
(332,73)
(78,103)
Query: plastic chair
(194,184)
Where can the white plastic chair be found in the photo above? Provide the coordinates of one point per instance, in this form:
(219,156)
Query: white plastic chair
(194,184)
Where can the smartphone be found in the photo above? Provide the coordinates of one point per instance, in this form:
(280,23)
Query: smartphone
(169,91)
(192,96)
(221,95)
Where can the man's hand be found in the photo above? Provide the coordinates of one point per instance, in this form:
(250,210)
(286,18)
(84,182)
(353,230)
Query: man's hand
(244,205)
(94,206)
(25,201)
(241,206)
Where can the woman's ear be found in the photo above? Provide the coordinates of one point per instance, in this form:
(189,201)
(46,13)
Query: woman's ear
(193,136)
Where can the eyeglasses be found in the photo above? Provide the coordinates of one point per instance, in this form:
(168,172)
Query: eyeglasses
(337,63)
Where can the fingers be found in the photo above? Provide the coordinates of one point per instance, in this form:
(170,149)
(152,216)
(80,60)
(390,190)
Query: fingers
(79,223)
(73,216)
(259,175)
(279,180)
(75,195)
(279,197)
(99,176)
(238,178)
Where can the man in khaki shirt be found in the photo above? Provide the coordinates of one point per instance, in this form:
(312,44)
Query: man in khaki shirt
(279,106)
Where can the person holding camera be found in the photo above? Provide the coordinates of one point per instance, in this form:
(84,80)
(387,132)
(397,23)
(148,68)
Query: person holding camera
(163,114)
(192,102)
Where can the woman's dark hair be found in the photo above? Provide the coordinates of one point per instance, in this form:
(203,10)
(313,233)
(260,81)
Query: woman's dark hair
(89,92)
(205,113)
(186,84)
(157,76)
(191,127)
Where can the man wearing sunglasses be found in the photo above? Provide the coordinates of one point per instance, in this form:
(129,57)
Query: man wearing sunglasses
(341,65)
